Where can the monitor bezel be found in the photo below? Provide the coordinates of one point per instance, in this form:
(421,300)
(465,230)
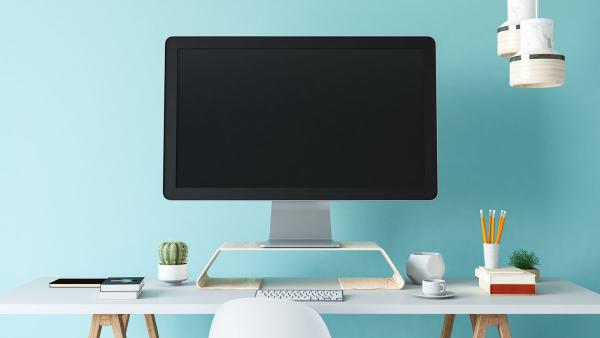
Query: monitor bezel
(172,192)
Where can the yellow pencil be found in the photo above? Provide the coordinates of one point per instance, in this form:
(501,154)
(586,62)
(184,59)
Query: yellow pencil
(489,226)
(483,234)
(493,226)
(502,220)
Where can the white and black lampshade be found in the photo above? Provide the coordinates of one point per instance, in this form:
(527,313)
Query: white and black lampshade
(509,33)
(537,64)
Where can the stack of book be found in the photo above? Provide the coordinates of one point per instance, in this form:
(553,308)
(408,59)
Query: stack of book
(506,281)
(119,288)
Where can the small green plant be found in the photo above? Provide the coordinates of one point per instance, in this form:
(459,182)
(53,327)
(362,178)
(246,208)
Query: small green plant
(173,253)
(524,259)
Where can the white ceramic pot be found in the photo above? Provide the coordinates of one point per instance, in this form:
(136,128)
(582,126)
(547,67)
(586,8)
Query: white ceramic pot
(172,274)
(425,265)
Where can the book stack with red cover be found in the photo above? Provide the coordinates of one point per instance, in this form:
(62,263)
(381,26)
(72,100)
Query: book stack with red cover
(506,281)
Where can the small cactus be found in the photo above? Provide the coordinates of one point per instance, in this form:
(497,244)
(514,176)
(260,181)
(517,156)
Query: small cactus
(173,253)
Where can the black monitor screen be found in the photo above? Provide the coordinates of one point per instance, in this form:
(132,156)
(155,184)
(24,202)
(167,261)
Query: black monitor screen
(302,119)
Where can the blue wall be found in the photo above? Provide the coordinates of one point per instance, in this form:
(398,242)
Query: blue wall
(81,97)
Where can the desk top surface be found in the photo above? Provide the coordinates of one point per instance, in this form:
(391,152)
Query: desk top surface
(555,296)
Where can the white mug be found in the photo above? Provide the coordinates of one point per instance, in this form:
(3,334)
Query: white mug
(434,287)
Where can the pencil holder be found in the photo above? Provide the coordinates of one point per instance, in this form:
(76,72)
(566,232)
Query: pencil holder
(491,255)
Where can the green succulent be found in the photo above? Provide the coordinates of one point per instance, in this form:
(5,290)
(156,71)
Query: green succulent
(173,253)
(524,259)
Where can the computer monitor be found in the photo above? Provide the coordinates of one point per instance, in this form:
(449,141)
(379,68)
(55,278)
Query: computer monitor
(300,121)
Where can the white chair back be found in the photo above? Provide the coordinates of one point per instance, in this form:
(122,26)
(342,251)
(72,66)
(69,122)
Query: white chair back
(267,318)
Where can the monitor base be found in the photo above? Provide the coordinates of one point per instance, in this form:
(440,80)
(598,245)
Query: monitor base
(300,224)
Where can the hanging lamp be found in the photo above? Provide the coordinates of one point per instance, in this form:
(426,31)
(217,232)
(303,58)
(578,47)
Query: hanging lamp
(528,42)
(509,33)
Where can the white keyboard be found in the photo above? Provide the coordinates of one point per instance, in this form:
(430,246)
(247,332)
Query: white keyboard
(302,295)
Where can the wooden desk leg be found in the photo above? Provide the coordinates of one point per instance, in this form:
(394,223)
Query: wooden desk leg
(96,328)
(479,323)
(151,325)
(448,324)
(119,323)
(503,328)
(473,321)
(125,321)
(483,321)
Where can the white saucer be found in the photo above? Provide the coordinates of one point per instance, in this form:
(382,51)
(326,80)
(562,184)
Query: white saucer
(449,294)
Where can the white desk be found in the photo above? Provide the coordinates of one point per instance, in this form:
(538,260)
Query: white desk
(555,296)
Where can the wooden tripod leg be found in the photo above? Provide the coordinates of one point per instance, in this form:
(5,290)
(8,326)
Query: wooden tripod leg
(479,323)
(503,328)
(481,326)
(473,321)
(448,324)
(96,327)
(117,325)
(151,325)
(483,321)
(125,321)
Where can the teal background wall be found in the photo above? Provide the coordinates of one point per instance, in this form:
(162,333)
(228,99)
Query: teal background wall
(81,104)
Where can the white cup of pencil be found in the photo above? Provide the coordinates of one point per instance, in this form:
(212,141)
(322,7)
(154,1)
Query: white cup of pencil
(491,238)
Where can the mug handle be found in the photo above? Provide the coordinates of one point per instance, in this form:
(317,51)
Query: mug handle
(443,288)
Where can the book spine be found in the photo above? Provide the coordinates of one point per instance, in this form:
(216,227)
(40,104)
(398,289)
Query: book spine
(512,289)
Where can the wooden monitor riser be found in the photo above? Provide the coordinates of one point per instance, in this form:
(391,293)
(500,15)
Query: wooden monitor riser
(394,282)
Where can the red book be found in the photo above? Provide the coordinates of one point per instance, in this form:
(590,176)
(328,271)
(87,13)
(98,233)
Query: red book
(512,289)
(507,289)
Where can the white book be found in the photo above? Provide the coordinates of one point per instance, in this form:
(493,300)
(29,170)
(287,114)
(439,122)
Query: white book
(507,275)
(122,287)
(120,295)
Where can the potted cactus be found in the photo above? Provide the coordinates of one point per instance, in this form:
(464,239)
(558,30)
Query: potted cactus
(173,262)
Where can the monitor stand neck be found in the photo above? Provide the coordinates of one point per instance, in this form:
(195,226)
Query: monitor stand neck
(300,224)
